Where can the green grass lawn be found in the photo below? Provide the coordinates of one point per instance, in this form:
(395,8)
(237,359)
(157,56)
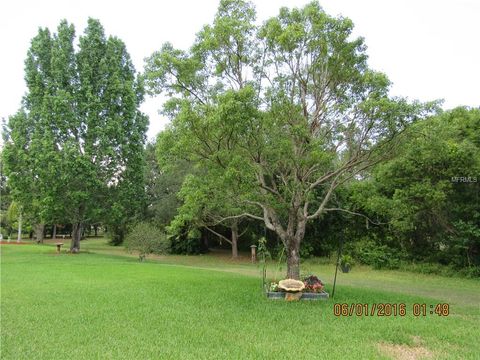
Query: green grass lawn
(102,304)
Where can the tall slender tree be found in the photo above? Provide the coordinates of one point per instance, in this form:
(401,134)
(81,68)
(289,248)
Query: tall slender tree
(79,135)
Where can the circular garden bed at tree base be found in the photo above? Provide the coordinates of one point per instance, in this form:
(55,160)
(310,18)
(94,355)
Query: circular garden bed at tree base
(305,296)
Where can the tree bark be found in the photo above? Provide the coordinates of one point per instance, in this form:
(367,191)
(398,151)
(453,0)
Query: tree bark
(39,233)
(293,258)
(54,231)
(19,234)
(76,236)
(235,238)
(291,236)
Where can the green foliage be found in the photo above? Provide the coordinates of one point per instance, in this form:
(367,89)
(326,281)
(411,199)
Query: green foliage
(262,250)
(463,245)
(162,186)
(275,117)
(146,239)
(378,256)
(74,151)
(422,204)
(188,242)
(346,260)
(184,235)
(13,213)
(306,250)
(432,215)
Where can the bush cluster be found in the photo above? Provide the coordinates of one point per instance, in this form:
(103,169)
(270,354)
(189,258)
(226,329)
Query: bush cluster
(378,256)
(147,239)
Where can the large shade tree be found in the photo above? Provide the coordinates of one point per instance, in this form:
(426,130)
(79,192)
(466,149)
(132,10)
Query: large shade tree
(75,149)
(291,107)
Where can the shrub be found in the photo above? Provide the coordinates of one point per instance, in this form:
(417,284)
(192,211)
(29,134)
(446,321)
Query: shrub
(375,255)
(439,269)
(306,250)
(470,272)
(187,245)
(117,234)
(146,239)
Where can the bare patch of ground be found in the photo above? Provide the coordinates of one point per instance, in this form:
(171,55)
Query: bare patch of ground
(406,352)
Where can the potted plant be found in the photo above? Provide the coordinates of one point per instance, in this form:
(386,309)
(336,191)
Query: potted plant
(313,288)
(273,292)
(346,262)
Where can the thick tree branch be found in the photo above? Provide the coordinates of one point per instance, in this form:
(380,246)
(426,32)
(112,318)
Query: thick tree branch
(219,235)
(184,87)
(238,217)
(355,213)
(333,186)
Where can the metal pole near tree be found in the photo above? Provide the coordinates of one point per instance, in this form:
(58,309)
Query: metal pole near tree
(336,266)
(262,255)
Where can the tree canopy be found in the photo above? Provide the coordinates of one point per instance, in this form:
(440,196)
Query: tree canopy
(429,192)
(74,151)
(288,110)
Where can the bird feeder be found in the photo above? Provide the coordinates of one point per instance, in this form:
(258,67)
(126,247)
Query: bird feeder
(254,252)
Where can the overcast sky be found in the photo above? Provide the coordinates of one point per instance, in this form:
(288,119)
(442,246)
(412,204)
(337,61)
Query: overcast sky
(430,49)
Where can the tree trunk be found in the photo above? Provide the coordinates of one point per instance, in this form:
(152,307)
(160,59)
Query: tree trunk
(95,227)
(54,231)
(235,239)
(39,233)
(76,236)
(19,234)
(293,258)
(291,236)
(205,240)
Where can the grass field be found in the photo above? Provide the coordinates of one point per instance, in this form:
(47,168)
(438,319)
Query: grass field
(104,304)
